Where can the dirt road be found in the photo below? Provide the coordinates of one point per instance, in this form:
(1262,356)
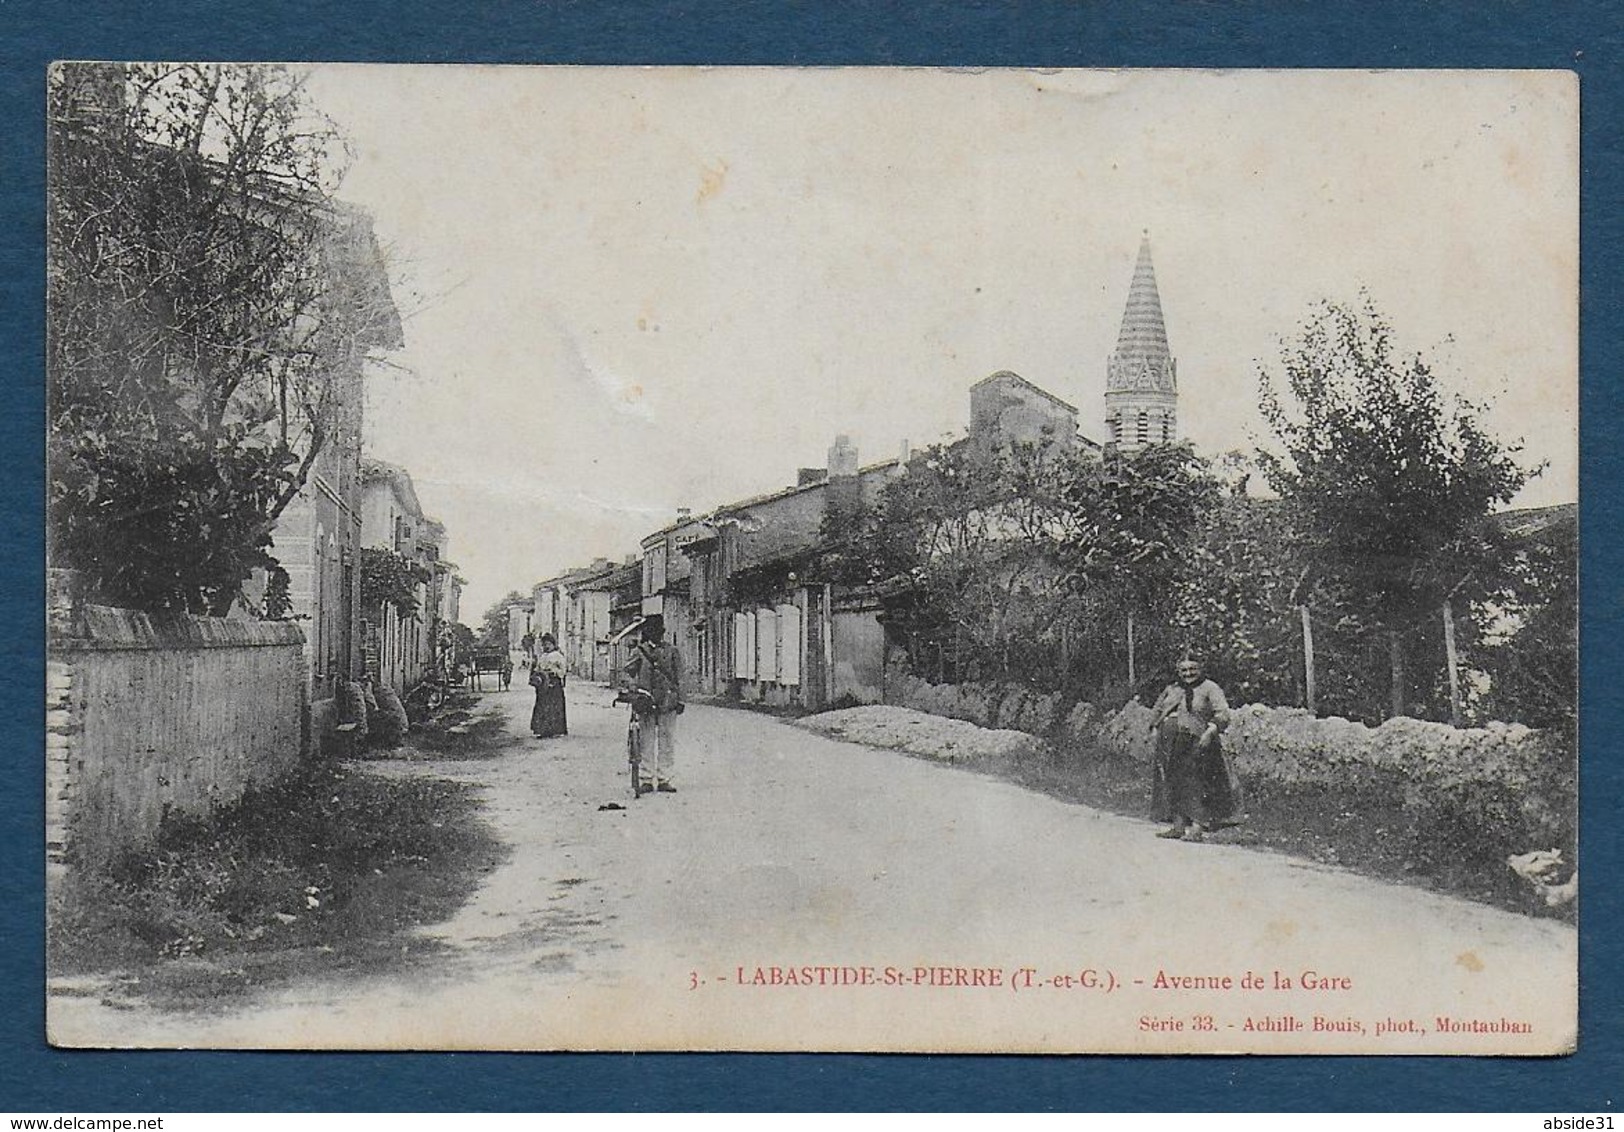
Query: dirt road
(800,893)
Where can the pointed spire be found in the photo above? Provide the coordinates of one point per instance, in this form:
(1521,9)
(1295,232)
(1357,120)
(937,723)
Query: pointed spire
(1142,342)
(1141,377)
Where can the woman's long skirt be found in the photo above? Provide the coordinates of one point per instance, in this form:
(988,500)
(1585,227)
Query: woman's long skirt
(1189,782)
(547,717)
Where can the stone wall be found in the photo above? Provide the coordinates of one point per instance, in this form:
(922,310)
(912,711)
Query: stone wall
(1493,789)
(148,717)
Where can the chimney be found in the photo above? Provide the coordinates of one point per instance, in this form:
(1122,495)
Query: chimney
(905,454)
(845,491)
(805,476)
(842,457)
(684,514)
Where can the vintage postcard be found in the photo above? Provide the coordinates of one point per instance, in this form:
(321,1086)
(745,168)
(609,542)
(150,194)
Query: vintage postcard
(572,558)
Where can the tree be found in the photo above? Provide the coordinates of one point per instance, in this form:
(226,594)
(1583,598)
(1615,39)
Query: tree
(1132,524)
(1024,561)
(202,292)
(1235,601)
(1531,658)
(1389,481)
(969,528)
(493,627)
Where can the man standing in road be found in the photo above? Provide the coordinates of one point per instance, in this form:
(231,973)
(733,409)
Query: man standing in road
(655,667)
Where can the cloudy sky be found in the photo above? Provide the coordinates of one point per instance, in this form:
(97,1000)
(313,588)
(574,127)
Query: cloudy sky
(633,290)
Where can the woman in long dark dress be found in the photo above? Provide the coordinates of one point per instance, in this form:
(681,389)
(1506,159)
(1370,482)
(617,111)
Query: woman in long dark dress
(547,718)
(1190,784)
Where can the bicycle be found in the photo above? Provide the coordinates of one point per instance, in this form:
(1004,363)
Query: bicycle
(642,715)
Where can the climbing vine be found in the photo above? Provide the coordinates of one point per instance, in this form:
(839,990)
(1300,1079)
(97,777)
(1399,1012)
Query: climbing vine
(387,577)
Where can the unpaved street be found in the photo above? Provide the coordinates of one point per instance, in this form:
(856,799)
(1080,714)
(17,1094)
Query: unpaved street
(799,893)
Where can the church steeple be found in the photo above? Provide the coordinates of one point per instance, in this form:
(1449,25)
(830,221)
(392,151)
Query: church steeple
(1141,378)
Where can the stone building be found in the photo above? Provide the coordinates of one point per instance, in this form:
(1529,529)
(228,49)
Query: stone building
(575,608)
(400,644)
(317,538)
(1005,408)
(768,627)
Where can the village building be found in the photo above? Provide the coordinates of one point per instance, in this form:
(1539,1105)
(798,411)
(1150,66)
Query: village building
(400,643)
(445,586)
(625,584)
(769,628)
(318,536)
(741,590)
(574,607)
(521,615)
(1007,409)
(667,582)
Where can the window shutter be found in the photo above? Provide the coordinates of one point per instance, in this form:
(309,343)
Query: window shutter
(789,645)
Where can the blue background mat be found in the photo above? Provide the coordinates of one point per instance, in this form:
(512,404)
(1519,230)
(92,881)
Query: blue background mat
(1587,38)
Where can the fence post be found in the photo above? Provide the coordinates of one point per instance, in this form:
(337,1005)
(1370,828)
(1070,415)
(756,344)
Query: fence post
(1133,681)
(1308,661)
(1395,656)
(1451,660)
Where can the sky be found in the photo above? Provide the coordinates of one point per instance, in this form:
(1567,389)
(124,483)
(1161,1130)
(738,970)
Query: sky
(631,290)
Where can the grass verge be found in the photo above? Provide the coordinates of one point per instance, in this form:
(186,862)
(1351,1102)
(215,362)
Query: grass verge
(1368,835)
(329,870)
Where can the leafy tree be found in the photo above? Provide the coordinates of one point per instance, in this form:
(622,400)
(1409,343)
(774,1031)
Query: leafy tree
(1023,560)
(1388,481)
(969,533)
(200,297)
(846,545)
(1235,603)
(1532,665)
(1127,526)
(1132,522)
(493,627)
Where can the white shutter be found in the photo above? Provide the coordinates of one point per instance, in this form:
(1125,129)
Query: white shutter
(789,645)
(766,645)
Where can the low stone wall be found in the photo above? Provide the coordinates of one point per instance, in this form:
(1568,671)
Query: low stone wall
(150,716)
(1000,706)
(1487,791)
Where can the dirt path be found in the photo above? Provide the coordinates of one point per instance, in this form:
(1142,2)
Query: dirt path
(803,893)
